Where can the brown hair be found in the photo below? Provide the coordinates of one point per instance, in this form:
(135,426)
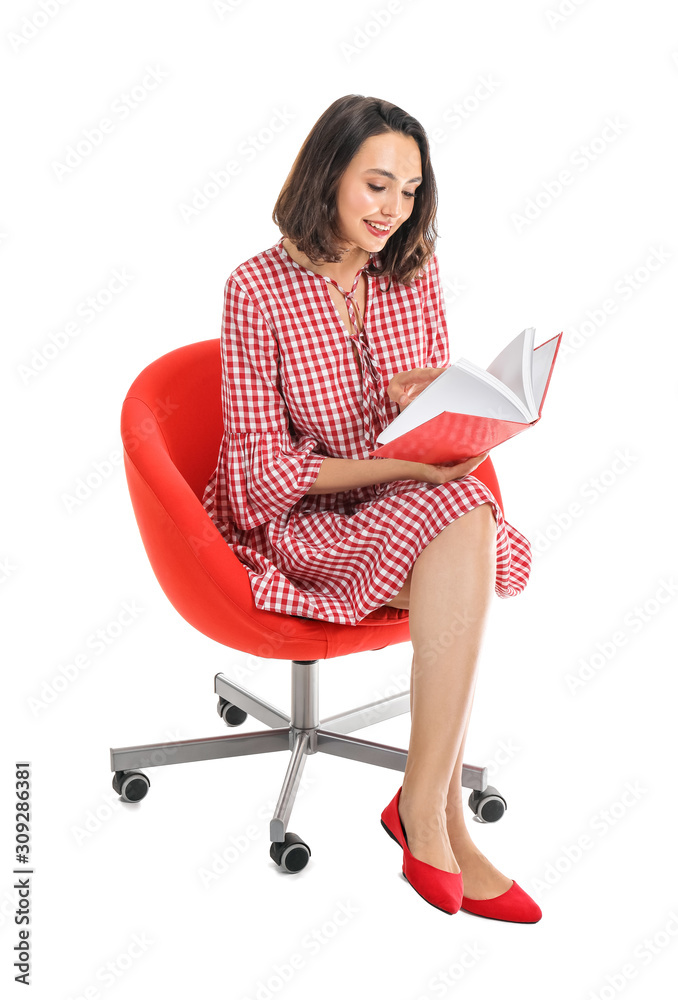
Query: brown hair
(305,211)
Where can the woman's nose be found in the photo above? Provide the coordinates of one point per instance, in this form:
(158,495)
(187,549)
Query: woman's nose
(392,205)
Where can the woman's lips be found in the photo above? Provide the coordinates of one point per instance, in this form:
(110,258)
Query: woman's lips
(375,231)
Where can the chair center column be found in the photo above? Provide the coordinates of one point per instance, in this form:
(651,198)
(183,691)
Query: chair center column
(304,712)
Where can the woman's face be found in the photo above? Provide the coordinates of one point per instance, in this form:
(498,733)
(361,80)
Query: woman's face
(378,186)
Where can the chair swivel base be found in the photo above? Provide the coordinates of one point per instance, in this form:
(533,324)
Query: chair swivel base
(302,733)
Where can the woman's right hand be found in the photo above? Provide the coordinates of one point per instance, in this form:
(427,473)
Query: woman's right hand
(438,474)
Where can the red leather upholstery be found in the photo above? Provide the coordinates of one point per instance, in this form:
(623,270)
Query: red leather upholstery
(171,428)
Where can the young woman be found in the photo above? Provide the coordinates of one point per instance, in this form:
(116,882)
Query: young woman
(325,337)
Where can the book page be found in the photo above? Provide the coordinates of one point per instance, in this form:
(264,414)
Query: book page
(494,383)
(542,360)
(512,366)
(458,391)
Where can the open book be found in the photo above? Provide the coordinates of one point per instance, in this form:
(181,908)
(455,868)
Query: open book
(466,410)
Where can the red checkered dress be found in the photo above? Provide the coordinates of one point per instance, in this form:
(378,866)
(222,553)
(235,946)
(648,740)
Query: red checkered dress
(292,393)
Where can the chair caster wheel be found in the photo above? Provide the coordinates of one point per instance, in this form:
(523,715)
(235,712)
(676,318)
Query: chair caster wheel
(131,786)
(488,805)
(230,713)
(292,855)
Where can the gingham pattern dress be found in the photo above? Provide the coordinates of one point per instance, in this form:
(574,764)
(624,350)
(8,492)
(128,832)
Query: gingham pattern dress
(293,393)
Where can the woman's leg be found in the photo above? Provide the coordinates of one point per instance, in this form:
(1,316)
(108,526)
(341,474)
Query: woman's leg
(481,879)
(451,586)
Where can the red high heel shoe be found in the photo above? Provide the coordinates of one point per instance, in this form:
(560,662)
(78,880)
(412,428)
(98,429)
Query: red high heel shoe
(441,889)
(514,904)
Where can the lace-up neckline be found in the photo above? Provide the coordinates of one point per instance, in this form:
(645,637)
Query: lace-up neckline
(352,306)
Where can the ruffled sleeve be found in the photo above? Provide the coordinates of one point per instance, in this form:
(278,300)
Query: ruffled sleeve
(434,318)
(263,467)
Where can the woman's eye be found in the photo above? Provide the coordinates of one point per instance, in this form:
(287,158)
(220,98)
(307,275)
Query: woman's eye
(375,187)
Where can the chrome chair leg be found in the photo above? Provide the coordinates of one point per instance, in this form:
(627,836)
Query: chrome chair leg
(288,793)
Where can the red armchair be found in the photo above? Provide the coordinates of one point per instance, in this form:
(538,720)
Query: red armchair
(171,428)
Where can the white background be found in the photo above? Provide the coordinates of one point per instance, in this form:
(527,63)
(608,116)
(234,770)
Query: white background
(590,766)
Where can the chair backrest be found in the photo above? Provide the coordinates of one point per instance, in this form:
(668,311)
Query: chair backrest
(172,427)
(182,390)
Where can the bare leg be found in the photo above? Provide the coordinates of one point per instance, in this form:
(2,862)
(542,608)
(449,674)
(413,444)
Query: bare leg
(451,586)
(481,879)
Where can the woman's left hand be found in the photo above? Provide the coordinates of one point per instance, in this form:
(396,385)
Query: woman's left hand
(404,386)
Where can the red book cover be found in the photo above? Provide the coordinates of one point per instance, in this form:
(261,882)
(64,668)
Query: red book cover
(450,437)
